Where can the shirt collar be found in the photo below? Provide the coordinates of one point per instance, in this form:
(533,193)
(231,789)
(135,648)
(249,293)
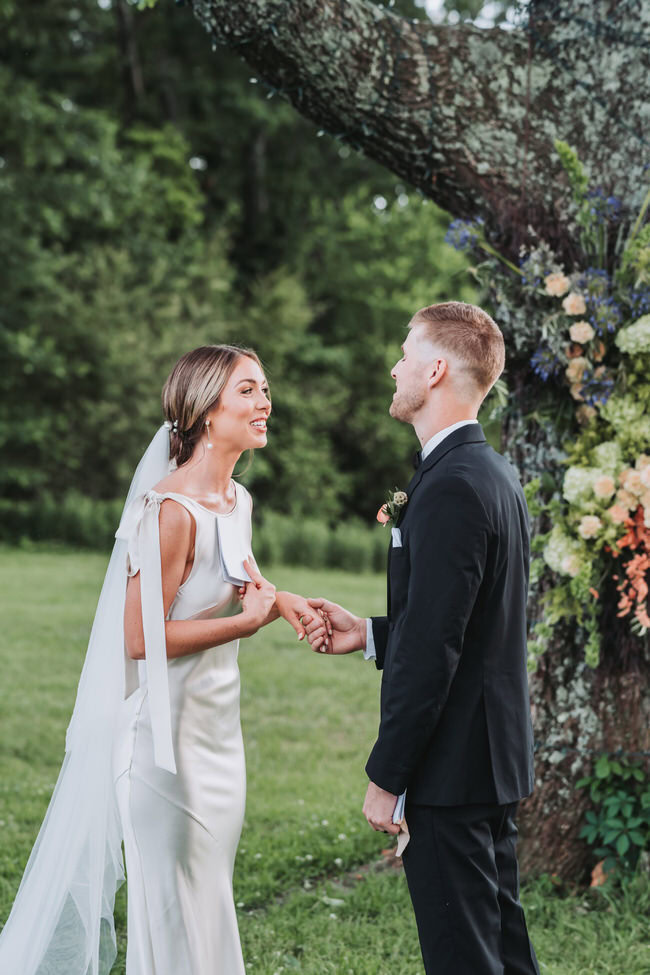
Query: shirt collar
(441,434)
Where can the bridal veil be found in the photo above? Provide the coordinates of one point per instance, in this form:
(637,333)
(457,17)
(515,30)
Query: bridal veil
(61,922)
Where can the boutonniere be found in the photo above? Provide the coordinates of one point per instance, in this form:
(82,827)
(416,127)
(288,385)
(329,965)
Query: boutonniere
(390,509)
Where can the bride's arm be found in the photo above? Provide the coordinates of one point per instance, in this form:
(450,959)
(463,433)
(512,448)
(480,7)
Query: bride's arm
(187,636)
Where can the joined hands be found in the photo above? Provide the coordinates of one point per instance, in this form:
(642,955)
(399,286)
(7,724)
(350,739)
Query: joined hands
(262,603)
(345,631)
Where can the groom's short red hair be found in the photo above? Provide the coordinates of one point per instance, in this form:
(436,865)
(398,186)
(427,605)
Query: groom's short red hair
(468,333)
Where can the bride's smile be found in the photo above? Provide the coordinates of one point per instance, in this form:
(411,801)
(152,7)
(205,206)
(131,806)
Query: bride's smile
(240,419)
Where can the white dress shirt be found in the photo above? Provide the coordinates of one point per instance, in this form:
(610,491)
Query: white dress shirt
(370,652)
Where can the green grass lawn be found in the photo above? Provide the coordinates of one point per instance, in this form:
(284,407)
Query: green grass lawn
(305,901)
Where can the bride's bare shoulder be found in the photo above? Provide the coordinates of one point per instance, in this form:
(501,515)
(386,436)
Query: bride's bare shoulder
(173,483)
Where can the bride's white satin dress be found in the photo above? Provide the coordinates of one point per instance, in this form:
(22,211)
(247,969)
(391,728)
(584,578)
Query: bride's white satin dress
(181,830)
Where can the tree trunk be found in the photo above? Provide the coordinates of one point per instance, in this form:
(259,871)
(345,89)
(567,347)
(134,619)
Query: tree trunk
(133,80)
(467,116)
(578,713)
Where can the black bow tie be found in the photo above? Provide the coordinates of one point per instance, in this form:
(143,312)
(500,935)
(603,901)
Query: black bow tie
(417,459)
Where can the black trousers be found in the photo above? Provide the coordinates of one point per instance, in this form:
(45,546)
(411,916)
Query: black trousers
(463,877)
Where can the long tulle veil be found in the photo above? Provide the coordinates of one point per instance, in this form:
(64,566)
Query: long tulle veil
(61,922)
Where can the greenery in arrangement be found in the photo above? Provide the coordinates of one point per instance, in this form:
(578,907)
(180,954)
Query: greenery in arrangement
(310,894)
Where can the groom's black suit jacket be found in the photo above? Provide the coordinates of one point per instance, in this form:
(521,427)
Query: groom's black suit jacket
(455,715)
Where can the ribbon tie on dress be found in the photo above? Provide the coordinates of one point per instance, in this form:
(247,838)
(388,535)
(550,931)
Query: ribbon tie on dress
(155,643)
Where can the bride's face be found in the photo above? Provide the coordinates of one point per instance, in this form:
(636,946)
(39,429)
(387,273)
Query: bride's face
(239,420)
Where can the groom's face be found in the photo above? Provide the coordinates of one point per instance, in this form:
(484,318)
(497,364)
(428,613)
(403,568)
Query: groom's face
(411,374)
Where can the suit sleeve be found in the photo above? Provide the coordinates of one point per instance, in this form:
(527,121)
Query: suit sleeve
(380,636)
(448,552)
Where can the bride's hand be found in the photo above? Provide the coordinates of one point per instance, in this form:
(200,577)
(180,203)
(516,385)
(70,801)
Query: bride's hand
(297,611)
(258,600)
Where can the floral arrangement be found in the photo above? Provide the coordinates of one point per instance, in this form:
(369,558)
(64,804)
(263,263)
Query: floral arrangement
(591,332)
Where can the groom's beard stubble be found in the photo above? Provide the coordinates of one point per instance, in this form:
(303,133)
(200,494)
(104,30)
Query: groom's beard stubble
(406,404)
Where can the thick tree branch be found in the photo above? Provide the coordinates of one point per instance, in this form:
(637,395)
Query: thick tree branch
(467,116)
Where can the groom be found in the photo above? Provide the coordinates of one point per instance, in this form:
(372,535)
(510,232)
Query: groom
(455,728)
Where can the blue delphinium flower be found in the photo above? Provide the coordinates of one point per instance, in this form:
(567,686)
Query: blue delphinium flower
(639,302)
(545,363)
(596,390)
(463,234)
(603,207)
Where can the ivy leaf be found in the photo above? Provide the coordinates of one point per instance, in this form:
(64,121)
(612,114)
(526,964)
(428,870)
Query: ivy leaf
(611,835)
(622,844)
(602,767)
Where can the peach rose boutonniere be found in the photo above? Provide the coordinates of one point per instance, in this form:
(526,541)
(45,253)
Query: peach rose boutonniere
(391,509)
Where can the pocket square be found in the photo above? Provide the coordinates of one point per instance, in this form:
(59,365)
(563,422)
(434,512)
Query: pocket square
(397,538)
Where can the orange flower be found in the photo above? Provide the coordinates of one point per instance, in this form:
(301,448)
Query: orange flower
(382,515)
(634,586)
(598,875)
(594,592)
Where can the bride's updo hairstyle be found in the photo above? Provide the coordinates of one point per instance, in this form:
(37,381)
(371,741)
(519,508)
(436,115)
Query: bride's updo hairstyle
(193,389)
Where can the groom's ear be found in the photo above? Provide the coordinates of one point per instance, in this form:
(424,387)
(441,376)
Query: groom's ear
(436,371)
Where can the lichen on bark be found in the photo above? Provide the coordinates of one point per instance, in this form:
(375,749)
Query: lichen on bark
(468,116)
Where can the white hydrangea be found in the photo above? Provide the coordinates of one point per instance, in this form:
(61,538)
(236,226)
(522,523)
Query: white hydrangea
(635,339)
(562,552)
(607,456)
(579,483)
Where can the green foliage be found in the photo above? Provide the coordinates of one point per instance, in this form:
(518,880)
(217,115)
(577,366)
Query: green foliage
(578,179)
(593,229)
(635,264)
(138,221)
(619,826)
(351,545)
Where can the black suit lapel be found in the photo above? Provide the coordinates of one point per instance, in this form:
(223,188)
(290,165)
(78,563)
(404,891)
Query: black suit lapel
(471,433)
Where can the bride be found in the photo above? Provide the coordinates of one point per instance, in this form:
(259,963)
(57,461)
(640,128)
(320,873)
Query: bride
(154,754)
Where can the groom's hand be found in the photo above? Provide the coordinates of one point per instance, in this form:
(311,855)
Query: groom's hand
(341,633)
(379,808)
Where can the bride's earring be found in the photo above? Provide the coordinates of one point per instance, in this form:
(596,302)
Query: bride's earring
(207,425)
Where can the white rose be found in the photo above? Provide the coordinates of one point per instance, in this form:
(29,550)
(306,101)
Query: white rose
(604,486)
(589,526)
(557,284)
(574,304)
(581,332)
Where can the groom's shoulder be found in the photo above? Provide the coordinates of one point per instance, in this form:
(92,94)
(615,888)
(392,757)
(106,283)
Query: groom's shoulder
(479,466)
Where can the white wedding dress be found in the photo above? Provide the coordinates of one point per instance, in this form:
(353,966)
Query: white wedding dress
(181,830)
